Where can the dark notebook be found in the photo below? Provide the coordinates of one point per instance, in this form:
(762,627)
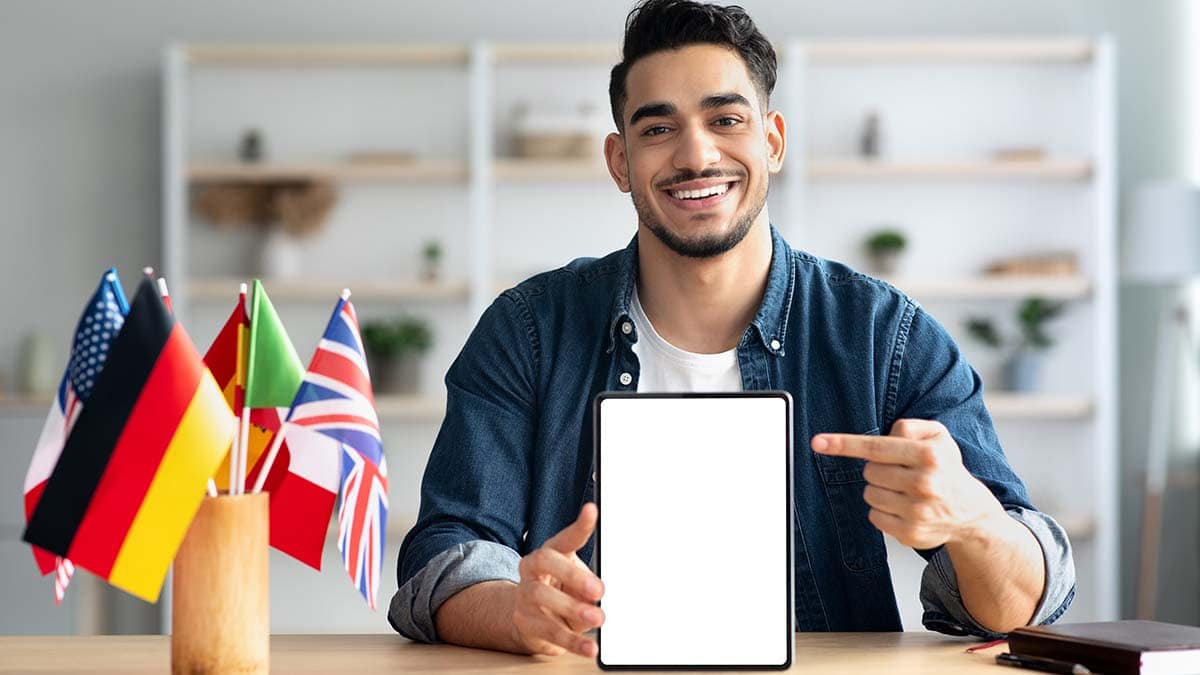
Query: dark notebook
(1115,647)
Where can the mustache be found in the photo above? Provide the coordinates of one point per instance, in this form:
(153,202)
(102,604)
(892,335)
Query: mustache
(685,176)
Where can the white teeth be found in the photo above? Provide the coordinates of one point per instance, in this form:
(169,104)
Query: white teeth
(702,193)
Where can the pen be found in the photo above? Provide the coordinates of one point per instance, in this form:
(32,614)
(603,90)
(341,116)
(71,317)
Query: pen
(1045,665)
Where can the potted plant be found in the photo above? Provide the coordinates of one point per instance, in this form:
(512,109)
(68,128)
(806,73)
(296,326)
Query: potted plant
(884,247)
(394,348)
(431,258)
(1023,366)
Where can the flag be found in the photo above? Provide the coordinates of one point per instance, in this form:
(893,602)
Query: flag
(303,484)
(98,325)
(333,406)
(134,467)
(336,400)
(362,519)
(272,375)
(273,370)
(335,403)
(226,358)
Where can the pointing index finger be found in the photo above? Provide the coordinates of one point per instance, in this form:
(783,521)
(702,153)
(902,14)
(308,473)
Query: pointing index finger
(882,449)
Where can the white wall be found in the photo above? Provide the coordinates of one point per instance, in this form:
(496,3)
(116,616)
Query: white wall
(79,123)
(79,119)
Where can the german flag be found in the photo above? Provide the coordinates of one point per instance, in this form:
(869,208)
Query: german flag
(134,468)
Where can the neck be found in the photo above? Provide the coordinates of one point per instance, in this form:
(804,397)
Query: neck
(704,305)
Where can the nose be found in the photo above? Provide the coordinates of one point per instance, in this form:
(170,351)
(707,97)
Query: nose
(696,150)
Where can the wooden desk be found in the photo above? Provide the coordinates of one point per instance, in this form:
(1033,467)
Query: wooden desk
(875,653)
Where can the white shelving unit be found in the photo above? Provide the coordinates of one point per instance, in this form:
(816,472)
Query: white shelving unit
(944,105)
(463,186)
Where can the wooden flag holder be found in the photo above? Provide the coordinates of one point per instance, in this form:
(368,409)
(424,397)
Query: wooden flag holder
(220,616)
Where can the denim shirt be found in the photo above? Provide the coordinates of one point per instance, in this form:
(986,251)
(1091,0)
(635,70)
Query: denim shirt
(512,463)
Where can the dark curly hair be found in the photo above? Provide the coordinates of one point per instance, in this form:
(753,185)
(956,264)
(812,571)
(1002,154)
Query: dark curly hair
(658,25)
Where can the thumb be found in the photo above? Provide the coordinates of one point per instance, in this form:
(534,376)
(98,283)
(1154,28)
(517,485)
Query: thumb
(917,430)
(574,536)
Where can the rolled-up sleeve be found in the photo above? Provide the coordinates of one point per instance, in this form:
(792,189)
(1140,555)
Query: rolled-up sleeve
(415,604)
(475,490)
(933,381)
(942,601)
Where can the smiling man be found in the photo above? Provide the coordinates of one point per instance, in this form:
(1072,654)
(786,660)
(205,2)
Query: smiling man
(709,297)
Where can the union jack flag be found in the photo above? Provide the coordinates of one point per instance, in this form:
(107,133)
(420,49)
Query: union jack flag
(362,519)
(335,399)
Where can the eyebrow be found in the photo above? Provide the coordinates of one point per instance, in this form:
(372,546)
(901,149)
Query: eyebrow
(659,109)
(652,110)
(722,100)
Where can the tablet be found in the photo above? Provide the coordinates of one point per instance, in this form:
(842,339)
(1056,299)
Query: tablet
(694,541)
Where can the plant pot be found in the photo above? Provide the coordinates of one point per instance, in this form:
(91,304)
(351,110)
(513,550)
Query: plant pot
(886,263)
(396,374)
(281,256)
(430,271)
(1022,371)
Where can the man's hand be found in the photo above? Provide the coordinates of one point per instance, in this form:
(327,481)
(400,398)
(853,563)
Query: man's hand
(556,598)
(918,489)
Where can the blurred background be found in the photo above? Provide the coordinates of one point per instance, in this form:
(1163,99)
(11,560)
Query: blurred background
(1023,168)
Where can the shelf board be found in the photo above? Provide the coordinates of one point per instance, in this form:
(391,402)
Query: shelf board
(950,51)
(1041,169)
(599,53)
(1079,527)
(327,55)
(21,405)
(1010,406)
(579,169)
(995,287)
(516,168)
(215,289)
(840,51)
(241,172)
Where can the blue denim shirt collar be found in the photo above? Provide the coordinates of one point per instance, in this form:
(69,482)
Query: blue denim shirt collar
(770,322)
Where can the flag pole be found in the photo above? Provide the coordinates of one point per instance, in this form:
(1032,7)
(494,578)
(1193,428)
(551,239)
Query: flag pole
(244,432)
(233,455)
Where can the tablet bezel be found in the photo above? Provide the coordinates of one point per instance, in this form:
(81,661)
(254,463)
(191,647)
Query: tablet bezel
(789,572)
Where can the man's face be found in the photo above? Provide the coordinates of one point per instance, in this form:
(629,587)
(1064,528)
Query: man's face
(696,151)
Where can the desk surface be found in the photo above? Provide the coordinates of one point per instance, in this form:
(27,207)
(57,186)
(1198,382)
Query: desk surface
(890,653)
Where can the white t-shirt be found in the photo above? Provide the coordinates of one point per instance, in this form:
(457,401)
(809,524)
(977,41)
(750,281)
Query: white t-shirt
(667,368)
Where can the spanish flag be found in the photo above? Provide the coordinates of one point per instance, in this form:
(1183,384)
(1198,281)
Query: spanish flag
(226,358)
(134,468)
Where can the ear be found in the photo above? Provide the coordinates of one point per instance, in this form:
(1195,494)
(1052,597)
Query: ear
(618,163)
(776,140)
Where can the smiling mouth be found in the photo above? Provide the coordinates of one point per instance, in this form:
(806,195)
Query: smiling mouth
(710,191)
(701,198)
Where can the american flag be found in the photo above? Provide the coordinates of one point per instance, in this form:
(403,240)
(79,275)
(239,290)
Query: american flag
(102,318)
(335,399)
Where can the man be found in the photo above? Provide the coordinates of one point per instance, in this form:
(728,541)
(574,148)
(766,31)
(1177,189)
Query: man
(708,296)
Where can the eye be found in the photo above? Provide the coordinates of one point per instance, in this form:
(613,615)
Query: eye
(727,121)
(655,130)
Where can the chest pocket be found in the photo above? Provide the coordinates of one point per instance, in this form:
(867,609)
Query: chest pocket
(862,545)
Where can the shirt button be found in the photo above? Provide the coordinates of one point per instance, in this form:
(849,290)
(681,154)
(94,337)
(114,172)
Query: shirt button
(775,345)
(625,379)
(627,328)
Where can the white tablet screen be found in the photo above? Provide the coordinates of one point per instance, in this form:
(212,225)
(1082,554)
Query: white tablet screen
(695,523)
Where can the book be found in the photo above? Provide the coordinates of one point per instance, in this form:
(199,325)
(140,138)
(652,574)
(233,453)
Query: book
(1115,647)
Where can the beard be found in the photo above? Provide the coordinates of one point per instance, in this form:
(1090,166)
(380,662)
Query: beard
(706,245)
